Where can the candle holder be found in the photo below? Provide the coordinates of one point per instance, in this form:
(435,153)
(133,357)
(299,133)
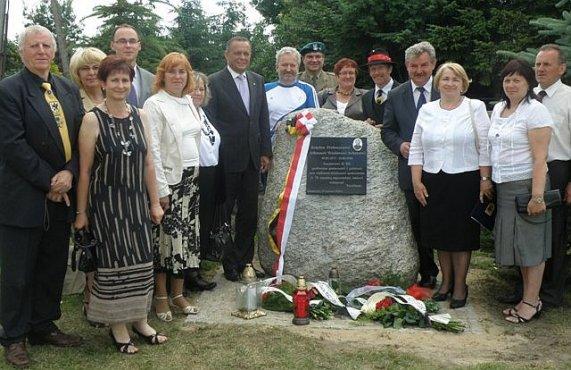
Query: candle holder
(300,303)
(247,302)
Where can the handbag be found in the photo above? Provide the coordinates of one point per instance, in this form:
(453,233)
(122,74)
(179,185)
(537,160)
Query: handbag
(552,198)
(220,238)
(85,245)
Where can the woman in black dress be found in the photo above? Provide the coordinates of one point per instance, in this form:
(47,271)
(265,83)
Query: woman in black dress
(116,185)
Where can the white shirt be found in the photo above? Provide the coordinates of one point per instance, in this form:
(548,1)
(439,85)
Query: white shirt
(443,140)
(341,107)
(558,103)
(385,89)
(510,150)
(209,142)
(427,91)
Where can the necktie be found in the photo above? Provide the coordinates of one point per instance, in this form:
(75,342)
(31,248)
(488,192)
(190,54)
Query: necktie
(242,84)
(59,117)
(132,98)
(380,97)
(541,95)
(421,98)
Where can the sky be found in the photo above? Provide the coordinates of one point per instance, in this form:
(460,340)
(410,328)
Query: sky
(90,25)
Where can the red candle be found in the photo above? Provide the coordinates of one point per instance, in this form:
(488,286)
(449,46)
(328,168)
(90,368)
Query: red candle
(300,303)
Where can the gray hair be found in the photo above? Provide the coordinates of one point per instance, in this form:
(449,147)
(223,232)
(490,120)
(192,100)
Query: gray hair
(288,50)
(560,55)
(33,30)
(199,76)
(416,50)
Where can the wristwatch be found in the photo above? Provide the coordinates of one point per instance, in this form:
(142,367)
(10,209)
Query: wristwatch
(485,178)
(538,199)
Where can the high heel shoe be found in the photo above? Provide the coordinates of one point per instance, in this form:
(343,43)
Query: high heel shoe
(195,282)
(163,316)
(458,303)
(188,309)
(441,297)
(152,339)
(516,318)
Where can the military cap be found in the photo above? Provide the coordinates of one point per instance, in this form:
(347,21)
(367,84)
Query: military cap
(379,56)
(313,47)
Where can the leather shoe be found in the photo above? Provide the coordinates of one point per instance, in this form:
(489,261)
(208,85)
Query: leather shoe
(458,303)
(427,281)
(17,355)
(55,338)
(231,274)
(196,283)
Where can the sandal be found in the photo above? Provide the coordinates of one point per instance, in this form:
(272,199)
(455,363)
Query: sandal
(152,339)
(163,316)
(516,318)
(187,310)
(123,347)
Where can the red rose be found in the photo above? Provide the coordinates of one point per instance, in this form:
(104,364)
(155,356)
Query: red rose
(419,292)
(374,282)
(388,301)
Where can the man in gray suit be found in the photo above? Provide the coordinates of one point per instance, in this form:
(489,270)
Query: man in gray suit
(126,44)
(401,110)
(239,110)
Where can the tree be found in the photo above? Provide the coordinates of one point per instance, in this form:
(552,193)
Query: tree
(71,30)
(13,62)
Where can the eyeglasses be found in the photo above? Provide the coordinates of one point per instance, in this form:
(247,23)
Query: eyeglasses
(127,41)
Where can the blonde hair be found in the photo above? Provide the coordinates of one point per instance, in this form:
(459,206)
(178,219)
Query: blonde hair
(457,69)
(169,61)
(81,58)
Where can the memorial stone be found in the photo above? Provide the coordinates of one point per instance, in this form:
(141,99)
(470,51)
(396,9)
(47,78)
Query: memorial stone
(365,234)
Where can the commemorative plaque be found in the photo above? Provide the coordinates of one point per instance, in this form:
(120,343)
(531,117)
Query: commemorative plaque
(337,166)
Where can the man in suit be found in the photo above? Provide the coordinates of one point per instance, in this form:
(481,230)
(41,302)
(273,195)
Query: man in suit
(127,44)
(239,110)
(41,114)
(401,110)
(550,66)
(380,68)
(313,57)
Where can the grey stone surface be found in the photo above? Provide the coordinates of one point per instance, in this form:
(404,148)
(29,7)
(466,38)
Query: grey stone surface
(364,235)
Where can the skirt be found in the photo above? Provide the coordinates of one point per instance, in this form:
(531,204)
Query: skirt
(445,222)
(520,239)
(176,242)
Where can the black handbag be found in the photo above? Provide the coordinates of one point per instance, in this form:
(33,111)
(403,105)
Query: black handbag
(484,213)
(552,198)
(220,238)
(84,255)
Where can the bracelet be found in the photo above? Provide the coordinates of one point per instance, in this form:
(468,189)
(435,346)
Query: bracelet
(538,199)
(79,212)
(485,178)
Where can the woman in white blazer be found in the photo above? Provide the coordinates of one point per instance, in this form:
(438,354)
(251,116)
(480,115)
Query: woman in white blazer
(175,126)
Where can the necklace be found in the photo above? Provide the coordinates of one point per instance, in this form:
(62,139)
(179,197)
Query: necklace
(343,93)
(208,132)
(125,142)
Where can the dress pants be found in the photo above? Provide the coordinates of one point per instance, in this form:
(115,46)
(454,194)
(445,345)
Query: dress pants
(242,190)
(33,263)
(425,255)
(554,276)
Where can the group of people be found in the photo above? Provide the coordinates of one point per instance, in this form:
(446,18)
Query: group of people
(146,162)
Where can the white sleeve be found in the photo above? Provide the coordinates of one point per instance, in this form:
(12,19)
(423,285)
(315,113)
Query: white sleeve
(538,117)
(482,122)
(157,123)
(416,153)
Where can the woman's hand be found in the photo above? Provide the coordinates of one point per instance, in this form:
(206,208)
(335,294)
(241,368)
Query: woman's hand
(81,222)
(165,203)
(535,208)
(156,213)
(420,193)
(486,190)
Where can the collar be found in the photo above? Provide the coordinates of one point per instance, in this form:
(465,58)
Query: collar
(427,86)
(234,73)
(37,79)
(550,90)
(287,86)
(165,96)
(385,88)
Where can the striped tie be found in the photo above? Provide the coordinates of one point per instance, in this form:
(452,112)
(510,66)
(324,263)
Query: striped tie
(59,117)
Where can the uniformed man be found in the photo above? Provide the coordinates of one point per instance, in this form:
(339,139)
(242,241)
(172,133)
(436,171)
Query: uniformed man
(313,57)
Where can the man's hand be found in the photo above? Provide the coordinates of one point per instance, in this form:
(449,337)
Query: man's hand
(405,149)
(265,163)
(61,182)
(59,197)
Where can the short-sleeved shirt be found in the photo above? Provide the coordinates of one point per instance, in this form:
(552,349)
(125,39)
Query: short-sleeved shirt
(508,137)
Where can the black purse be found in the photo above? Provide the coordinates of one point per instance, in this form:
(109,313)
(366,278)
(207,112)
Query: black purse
(84,255)
(220,238)
(552,198)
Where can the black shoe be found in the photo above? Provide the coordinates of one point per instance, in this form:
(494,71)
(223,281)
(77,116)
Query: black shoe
(441,297)
(457,303)
(510,298)
(196,283)
(427,281)
(231,274)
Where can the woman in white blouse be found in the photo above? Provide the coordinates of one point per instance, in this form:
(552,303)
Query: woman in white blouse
(450,169)
(175,125)
(519,137)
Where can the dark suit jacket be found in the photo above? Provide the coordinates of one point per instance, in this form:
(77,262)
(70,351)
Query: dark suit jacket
(354,109)
(398,125)
(31,149)
(243,138)
(373,110)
